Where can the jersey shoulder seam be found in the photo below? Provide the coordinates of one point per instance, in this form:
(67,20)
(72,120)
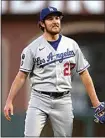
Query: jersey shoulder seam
(33,45)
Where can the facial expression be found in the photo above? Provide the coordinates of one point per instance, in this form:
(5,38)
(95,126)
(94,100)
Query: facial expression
(52,24)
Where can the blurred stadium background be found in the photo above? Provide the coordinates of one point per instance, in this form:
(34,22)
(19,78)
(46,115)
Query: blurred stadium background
(84,22)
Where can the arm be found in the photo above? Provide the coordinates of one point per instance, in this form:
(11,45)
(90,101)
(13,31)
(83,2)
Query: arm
(88,83)
(16,85)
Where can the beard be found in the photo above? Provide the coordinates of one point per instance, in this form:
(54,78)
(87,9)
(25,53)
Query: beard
(55,29)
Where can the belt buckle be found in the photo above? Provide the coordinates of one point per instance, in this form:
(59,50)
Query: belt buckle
(64,93)
(53,94)
(50,94)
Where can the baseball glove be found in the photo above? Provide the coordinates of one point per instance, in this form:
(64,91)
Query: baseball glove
(100,113)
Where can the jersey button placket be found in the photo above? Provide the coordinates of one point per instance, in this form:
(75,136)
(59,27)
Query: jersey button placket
(57,73)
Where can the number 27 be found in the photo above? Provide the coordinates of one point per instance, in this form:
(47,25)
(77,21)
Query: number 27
(67,68)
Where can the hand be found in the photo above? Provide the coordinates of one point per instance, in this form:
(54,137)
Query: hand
(100,113)
(8,110)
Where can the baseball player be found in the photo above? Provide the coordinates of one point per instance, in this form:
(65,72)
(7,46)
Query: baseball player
(51,61)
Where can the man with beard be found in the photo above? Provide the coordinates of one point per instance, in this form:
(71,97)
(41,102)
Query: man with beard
(51,61)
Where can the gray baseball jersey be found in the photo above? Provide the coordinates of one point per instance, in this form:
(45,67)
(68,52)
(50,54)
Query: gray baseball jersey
(52,70)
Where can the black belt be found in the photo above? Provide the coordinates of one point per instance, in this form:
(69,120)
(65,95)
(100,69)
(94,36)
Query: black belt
(53,94)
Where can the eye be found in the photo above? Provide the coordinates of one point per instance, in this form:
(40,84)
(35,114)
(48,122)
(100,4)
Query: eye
(57,17)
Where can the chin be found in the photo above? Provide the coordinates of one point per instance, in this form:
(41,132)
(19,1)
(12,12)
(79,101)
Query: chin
(55,32)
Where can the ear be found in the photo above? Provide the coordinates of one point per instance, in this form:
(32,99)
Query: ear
(42,24)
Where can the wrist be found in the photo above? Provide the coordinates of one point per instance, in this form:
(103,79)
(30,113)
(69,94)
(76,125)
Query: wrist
(9,101)
(95,105)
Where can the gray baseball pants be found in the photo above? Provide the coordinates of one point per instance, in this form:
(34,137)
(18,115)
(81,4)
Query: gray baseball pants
(42,106)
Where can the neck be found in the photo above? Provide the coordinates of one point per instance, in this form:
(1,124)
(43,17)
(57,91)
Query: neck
(50,37)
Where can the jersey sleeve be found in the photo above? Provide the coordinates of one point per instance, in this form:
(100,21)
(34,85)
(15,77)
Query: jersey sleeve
(26,63)
(81,62)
